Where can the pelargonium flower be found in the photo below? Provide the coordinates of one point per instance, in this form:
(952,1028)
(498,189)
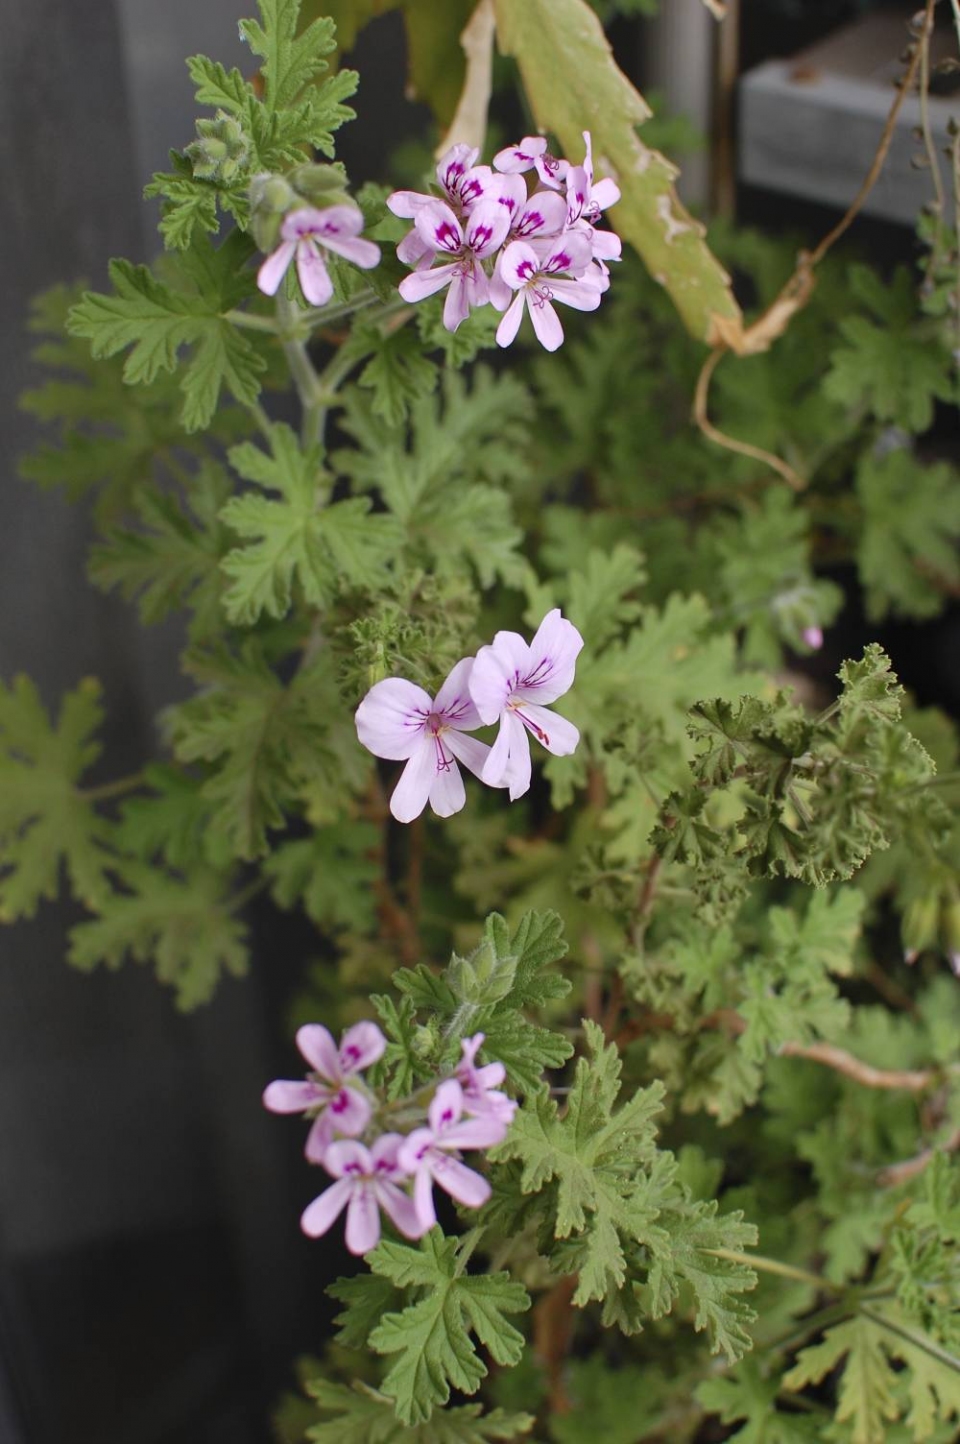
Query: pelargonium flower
(398,720)
(513,683)
(539,282)
(305,234)
(481,1095)
(441,233)
(427,1153)
(326,1092)
(462,181)
(368,1179)
(532,154)
(586,200)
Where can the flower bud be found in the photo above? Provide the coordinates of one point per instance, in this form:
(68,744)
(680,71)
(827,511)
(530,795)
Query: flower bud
(950,925)
(270,198)
(220,151)
(321,185)
(918,926)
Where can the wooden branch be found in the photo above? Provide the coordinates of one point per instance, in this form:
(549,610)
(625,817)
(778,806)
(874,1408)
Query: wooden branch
(902,1172)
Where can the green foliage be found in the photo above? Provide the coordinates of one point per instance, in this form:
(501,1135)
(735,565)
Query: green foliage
(155,320)
(47,824)
(267,132)
(907,548)
(431,1337)
(362,1416)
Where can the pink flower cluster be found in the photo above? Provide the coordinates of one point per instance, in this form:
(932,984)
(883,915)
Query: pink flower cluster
(394,1172)
(501,242)
(509,682)
(304,236)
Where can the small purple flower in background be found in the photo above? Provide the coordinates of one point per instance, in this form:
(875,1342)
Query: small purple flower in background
(513,683)
(539,282)
(481,1095)
(813,636)
(305,234)
(399,721)
(427,1153)
(327,1092)
(367,1180)
(441,233)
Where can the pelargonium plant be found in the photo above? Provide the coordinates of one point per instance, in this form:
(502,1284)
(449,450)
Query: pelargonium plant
(666,1148)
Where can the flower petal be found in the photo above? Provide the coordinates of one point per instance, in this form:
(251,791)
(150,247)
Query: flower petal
(510,325)
(363,1220)
(454,703)
(324,1211)
(423,1198)
(572,253)
(580,294)
(603,194)
(454,164)
(385,1152)
(349,1112)
(553,655)
(456,308)
(543,215)
(468,750)
(286,1096)
(519,767)
(346,1158)
(320,1051)
(360,1046)
(413,790)
(391,718)
(546,323)
(447,792)
(405,204)
(362,253)
(426,283)
(486,228)
(474,1133)
(413,1149)
(518,158)
(274,268)
(315,283)
(461,1183)
(400,1208)
(496,669)
(319,1138)
(557,734)
(519,264)
(439,228)
(446,1105)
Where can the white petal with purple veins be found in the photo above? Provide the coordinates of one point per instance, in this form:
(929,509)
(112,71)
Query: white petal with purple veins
(553,654)
(468,750)
(555,733)
(391,718)
(289,1096)
(510,325)
(412,792)
(312,274)
(447,792)
(274,268)
(454,703)
(439,228)
(427,283)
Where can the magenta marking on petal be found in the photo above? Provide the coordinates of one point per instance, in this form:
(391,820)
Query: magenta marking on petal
(530,725)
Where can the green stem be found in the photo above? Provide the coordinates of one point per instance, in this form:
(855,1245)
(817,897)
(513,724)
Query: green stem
(774,1266)
(249,322)
(112,789)
(247,894)
(919,1341)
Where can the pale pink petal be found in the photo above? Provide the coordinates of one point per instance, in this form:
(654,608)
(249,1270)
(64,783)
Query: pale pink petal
(400,1209)
(511,194)
(519,767)
(412,249)
(456,307)
(557,734)
(363,1220)
(522,157)
(414,1148)
(306,221)
(468,750)
(320,1137)
(491,1075)
(447,793)
(478,184)
(499,293)
(405,204)
(454,164)
(412,791)
(581,295)
(486,228)
(510,325)
(391,718)
(426,283)
(473,1133)
(606,246)
(360,1046)
(453,702)
(604,194)
(365,254)
(578,191)
(572,253)
(496,766)
(385,1153)
(470,1047)
(335,223)
(461,1182)
(320,1051)
(324,1211)
(285,1096)
(519,265)
(546,323)
(552,171)
(438,228)
(446,1105)
(543,214)
(423,1199)
(349,1112)
(553,654)
(274,268)
(315,283)
(496,669)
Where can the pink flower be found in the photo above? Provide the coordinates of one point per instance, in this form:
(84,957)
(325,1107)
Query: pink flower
(512,682)
(427,1153)
(532,154)
(467,245)
(326,1093)
(585,202)
(305,234)
(367,1180)
(538,283)
(813,637)
(398,720)
(481,1095)
(462,181)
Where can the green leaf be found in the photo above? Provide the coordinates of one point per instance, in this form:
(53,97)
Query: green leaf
(367,1298)
(907,547)
(290,61)
(397,374)
(573,85)
(363,1416)
(46,824)
(184,927)
(156,322)
(297,538)
(332,874)
(747,1394)
(866,1391)
(431,1337)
